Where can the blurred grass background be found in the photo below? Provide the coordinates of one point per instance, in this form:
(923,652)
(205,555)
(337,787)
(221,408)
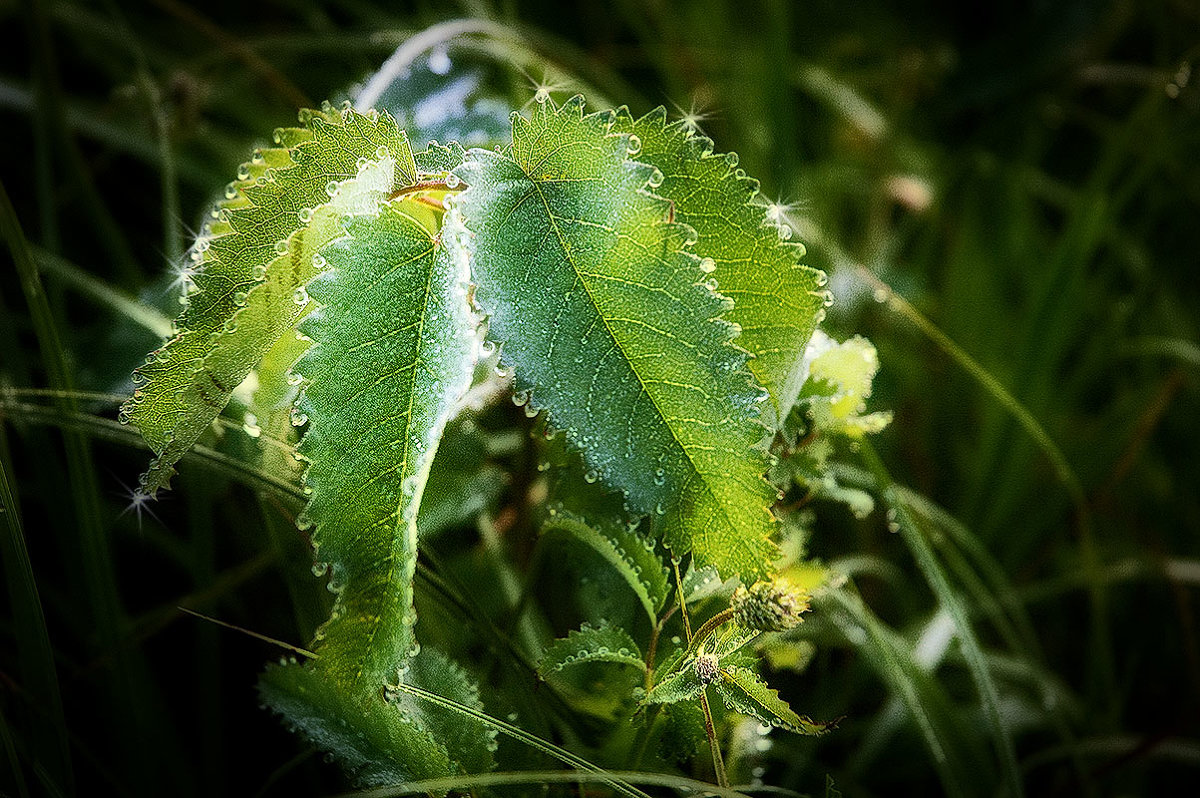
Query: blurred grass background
(1025,177)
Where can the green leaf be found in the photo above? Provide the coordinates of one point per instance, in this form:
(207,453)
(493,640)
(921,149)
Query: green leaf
(681,685)
(742,691)
(462,483)
(438,159)
(591,644)
(248,263)
(625,550)
(469,741)
(683,734)
(392,352)
(778,302)
(601,310)
(839,384)
(369,736)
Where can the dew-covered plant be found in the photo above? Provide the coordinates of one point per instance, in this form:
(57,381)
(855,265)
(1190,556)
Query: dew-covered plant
(629,288)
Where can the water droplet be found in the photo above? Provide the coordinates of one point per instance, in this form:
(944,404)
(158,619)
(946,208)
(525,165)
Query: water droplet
(656,178)
(277,135)
(300,295)
(453,181)
(710,284)
(305,215)
(633,144)
(541,95)
(893,524)
(319,262)
(822,278)
(331,188)
(281,247)
(731,158)
(231,191)
(708,265)
(439,61)
(299,419)
(294,379)
(520,398)
(660,477)
(487,349)
(591,476)
(381,152)
(259,272)
(240,298)
(243,172)
(250,425)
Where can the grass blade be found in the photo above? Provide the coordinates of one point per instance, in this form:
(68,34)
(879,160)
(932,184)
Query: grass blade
(952,603)
(39,676)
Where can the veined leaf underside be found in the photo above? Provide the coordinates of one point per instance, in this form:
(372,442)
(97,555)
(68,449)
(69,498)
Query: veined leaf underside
(393,349)
(246,266)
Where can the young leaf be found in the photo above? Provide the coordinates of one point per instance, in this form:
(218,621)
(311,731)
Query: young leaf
(839,384)
(777,300)
(681,685)
(683,733)
(469,741)
(742,691)
(591,644)
(392,351)
(625,550)
(368,735)
(601,311)
(248,264)
(437,159)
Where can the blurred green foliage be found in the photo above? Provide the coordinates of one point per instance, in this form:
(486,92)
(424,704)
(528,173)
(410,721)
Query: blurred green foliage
(1024,175)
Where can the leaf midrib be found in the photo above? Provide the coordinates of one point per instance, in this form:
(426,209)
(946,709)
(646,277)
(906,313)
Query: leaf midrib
(695,472)
(376,623)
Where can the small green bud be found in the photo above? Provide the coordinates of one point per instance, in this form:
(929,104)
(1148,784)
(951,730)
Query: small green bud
(769,606)
(708,668)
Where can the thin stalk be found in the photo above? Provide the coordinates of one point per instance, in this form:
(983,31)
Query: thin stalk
(14,761)
(708,627)
(35,653)
(687,624)
(537,777)
(711,731)
(546,747)
(110,430)
(1089,552)
(101,292)
(948,597)
(652,649)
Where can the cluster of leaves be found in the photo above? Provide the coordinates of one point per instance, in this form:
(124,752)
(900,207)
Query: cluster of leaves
(640,293)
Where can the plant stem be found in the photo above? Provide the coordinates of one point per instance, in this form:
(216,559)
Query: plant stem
(708,627)
(713,744)
(687,624)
